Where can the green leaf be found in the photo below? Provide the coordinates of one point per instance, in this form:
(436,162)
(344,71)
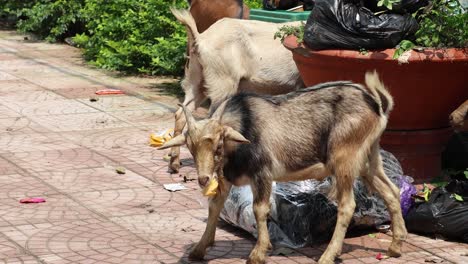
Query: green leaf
(404,46)
(466,174)
(457,197)
(426,192)
(372,235)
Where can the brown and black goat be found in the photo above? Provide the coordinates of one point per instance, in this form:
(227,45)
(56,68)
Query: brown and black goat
(330,129)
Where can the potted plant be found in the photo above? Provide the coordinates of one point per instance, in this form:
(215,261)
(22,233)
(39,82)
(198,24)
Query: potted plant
(428,81)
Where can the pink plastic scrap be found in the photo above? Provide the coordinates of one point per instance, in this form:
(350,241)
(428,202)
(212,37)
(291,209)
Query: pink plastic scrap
(33,200)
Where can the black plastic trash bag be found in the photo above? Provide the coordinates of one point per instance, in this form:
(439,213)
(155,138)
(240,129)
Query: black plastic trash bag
(279,5)
(442,214)
(287,4)
(301,213)
(343,24)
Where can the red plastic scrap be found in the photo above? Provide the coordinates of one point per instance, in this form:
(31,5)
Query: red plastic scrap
(381,256)
(109,91)
(33,200)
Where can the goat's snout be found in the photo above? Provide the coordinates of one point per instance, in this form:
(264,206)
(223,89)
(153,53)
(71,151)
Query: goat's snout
(203,180)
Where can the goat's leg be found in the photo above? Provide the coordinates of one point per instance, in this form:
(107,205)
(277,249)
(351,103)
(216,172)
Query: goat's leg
(215,206)
(174,163)
(261,190)
(391,196)
(346,205)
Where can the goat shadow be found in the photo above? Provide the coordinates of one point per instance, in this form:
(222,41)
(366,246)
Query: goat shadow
(238,244)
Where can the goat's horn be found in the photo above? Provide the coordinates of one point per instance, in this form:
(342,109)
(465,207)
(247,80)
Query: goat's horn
(218,114)
(188,117)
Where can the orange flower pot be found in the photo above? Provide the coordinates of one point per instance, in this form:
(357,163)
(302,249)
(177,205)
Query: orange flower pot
(426,90)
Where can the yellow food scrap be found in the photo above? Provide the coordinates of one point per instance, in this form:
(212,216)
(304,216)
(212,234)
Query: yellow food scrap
(210,189)
(158,139)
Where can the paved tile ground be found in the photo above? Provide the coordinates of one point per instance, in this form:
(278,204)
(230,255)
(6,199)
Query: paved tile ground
(57,144)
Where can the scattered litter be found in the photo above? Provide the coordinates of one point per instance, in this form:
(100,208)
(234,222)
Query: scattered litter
(407,190)
(384,240)
(404,57)
(93,99)
(443,214)
(167,157)
(464,254)
(109,91)
(372,235)
(291,223)
(383,228)
(33,200)
(158,139)
(174,187)
(381,256)
(120,170)
(187,229)
(9,129)
(187,179)
(151,211)
(434,260)
(282,251)
(210,189)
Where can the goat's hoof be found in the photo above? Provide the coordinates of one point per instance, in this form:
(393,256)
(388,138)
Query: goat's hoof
(326,260)
(197,254)
(256,258)
(174,166)
(395,247)
(394,251)
(255,261)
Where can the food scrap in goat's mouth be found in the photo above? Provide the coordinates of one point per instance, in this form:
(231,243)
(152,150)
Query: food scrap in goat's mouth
(210,189)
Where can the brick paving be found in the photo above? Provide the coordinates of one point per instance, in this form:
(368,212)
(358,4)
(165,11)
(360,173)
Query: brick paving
(57,144)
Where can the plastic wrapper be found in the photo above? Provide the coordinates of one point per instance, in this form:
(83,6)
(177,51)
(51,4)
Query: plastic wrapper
(301,213)
(344,24)
(444,214)
(407,190)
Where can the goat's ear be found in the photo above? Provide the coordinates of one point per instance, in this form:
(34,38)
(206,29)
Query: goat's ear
(175,142)
(233,135)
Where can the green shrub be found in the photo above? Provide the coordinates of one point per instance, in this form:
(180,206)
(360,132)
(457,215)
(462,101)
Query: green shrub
(254,3)
(134,36)
(442,24)
(52,19)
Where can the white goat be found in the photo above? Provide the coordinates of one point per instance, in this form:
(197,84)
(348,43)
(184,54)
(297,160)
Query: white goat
(232,55)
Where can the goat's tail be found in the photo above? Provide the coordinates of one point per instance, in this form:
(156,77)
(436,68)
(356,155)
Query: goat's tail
(380,93)
(184,17)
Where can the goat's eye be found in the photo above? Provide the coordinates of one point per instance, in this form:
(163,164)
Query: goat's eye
(219,147)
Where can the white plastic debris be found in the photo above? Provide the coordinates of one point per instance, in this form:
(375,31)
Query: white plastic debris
(174,187)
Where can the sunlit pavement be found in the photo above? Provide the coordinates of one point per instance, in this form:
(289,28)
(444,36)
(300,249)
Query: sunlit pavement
(57,144)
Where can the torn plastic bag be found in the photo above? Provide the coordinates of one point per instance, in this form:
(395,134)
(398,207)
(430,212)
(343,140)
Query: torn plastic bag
(301,213)
(343,24)
(442,214)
